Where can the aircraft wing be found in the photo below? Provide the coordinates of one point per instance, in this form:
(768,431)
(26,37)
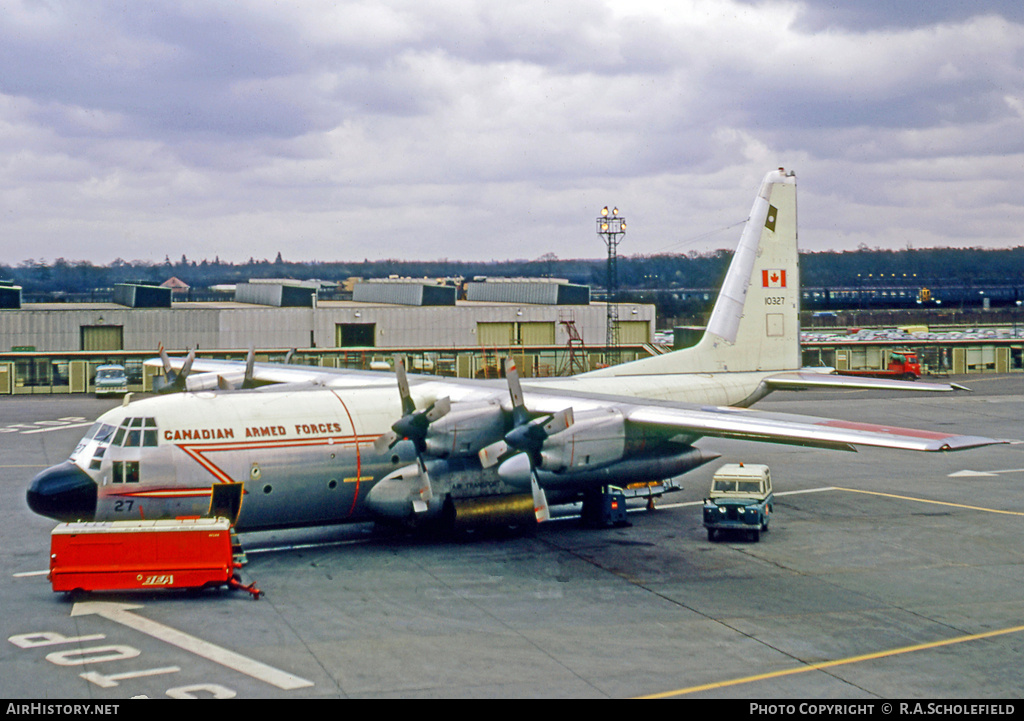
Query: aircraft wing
(828,378)
(205,371)
(693,421)
(750,425)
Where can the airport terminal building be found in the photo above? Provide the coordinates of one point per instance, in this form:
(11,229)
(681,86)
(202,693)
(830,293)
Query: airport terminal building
(550,327)
(55,347)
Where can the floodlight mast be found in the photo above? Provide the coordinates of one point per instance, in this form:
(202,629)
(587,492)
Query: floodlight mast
(611,227)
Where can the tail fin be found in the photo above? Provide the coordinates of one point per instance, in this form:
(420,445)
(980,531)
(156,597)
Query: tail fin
(755,325)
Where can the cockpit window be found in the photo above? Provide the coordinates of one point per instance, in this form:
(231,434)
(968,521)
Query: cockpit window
(103,432)
(119,436)
(149,432)
(98,432)
(134,437)
(135,432)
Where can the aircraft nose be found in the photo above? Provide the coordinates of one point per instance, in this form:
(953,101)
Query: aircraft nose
(64,493)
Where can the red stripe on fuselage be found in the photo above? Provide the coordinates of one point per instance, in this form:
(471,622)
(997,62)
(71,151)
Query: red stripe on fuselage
(198,451)
(359,458)
(165,493)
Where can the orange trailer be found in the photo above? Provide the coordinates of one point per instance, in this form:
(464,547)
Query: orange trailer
(143,555)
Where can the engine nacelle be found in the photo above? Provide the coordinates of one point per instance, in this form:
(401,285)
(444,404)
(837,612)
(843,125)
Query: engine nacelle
(394,495)
(465,429)
(212,380)
(595,439)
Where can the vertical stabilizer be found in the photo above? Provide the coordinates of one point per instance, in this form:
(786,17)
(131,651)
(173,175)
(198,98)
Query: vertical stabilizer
(755,324)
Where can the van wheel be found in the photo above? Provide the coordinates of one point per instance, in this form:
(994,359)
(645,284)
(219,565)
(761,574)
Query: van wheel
(755,536)
(711,534)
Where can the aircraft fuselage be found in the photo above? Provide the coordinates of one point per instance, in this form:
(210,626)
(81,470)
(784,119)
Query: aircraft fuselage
(307,457)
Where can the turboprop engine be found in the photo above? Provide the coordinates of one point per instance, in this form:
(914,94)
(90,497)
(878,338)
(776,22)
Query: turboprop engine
(464,430)
(595,438)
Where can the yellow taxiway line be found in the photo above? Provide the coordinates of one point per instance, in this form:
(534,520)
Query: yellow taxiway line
(833,664)
(928,500)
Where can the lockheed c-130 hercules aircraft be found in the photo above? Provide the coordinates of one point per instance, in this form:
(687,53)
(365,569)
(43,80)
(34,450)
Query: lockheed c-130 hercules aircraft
(275,446)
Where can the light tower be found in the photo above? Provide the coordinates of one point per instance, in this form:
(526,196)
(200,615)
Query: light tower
(611,227)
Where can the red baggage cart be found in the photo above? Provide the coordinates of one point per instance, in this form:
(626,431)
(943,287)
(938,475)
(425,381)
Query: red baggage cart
(143,555)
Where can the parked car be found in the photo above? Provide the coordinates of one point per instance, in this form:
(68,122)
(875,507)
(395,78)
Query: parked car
(111,380)
(741,499)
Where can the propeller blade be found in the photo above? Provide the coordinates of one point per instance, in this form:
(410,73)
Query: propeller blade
(540,500)
(439,409)
(168,371)
(383,443)
(490,455)
(559,422)
(250,363)
(425,491)
(187,367)
(408,406)
(519,413)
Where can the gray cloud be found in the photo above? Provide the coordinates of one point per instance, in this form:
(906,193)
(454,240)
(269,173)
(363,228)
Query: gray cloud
(470,129)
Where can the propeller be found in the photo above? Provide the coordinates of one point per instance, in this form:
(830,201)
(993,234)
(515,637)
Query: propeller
(414,425)
(527,436)
(175,382)
(229,383)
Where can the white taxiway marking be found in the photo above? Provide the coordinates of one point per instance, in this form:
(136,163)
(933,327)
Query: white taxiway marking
(44,426)
(978,474)
(121,613)
(56,428)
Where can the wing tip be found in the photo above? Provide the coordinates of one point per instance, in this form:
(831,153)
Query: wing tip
(963,443)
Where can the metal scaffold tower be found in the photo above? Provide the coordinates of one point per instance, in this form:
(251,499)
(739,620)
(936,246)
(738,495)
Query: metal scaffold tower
(575,359)
(611,227)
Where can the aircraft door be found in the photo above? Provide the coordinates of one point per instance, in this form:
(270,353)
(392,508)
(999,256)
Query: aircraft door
(226,501)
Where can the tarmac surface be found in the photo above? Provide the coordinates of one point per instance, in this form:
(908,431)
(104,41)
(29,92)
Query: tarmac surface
(885,575)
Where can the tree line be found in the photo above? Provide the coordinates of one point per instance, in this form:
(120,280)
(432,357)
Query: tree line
(656,272)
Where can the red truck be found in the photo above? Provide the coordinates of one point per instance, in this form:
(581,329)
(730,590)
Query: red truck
(903,364)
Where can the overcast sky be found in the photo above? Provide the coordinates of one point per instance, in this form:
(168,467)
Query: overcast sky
(497,129)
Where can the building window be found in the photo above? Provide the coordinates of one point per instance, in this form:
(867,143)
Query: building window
(355,335)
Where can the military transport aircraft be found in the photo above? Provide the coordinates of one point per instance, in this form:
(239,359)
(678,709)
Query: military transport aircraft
(275,446)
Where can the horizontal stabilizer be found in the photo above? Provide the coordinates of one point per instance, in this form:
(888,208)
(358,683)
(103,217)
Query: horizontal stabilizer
(807,379)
